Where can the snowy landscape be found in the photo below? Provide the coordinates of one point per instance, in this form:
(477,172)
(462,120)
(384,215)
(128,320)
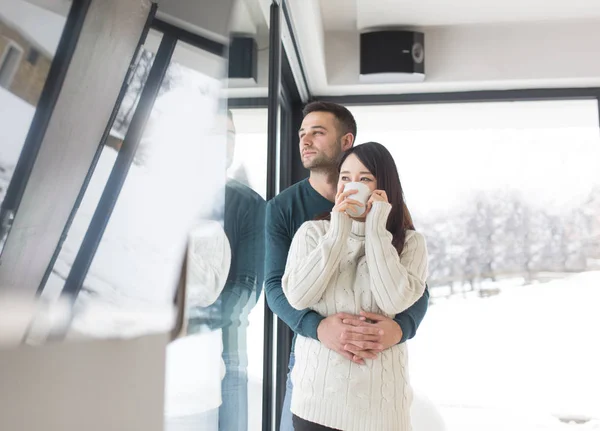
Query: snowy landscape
(510,339)
(524,359)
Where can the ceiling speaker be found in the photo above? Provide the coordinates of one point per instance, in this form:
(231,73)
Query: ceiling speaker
(392,56)
(243,59)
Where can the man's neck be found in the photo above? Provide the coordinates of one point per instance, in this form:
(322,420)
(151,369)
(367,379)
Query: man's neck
(325,183)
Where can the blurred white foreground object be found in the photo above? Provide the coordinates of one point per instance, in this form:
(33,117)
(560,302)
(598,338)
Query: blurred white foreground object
(425,415)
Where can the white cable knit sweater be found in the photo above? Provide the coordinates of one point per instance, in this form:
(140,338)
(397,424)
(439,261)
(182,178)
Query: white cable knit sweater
(348,266)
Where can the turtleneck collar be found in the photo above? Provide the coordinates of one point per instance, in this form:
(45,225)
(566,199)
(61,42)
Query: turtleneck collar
(358,228)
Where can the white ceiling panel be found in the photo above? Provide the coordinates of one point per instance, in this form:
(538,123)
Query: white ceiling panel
(361,14)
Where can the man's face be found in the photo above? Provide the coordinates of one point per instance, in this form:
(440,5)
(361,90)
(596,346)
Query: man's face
(320,144)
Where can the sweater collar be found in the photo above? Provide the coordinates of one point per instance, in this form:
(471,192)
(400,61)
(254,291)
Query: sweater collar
(358,228)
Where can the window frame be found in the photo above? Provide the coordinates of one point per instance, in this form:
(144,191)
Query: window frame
(11,45)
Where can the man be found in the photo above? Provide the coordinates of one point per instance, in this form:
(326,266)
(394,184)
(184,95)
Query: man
(243,215)
(327,131)
(244,219)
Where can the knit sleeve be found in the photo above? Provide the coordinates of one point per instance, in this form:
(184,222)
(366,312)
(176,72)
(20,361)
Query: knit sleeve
(313,258)
(397,282)
(208,262)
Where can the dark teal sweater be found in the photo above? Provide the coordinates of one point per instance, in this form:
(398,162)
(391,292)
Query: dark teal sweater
(243,215)
(285,214)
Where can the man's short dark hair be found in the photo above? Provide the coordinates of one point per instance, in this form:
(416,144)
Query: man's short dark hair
(341,113)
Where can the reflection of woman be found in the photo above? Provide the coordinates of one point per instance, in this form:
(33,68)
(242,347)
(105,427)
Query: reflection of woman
(194,365)
(376,263)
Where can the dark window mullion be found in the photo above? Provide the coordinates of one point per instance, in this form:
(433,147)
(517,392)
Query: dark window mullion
(272,142)
(119,172)
(532,94)
(44,110)
(598,99)
(90,173)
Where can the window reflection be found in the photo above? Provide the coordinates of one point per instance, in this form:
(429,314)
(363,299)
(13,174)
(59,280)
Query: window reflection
(208,369)
(102,170)
(173,188)
(187,231)
(249,163)
(29,36)
(245,208)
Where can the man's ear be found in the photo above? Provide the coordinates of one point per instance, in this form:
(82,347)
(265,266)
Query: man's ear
(347,141)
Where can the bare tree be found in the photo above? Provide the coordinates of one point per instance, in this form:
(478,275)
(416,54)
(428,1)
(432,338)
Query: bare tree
(134,91)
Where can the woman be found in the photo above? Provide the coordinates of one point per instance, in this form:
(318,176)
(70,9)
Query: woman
(375,263)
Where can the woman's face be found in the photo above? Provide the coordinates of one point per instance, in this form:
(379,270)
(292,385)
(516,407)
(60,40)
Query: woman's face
(354,171)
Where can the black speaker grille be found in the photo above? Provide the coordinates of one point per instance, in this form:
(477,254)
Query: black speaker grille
(391,52)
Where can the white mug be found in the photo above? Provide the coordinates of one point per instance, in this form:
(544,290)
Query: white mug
(362,196)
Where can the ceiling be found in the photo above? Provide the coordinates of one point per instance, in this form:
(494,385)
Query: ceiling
(470,44)
(344,15)
(247,18)
(58,6)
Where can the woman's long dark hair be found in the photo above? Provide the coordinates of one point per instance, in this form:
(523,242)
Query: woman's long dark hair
(378,160)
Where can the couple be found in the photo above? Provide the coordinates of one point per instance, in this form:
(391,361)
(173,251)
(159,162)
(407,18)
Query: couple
(352,289)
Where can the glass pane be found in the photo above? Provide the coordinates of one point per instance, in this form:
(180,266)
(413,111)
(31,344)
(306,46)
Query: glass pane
(191,214)
(106,161)
(243,327)
(214,371)
(249,162)
(29,36)
(508,197)
(248,176)
(169,204)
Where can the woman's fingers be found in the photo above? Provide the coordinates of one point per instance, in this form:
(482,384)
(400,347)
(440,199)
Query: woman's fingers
(347,204)
(373,316)
(354,202)
(378,195)
(343,195)
(363,354)
(354,337)
(372,346)
(357,359)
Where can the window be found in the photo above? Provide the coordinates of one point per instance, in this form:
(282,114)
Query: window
(23,27)
(9,64)
(249,167)
(104,166)
(190,184)
(32,56)
(508,196)
(250,161)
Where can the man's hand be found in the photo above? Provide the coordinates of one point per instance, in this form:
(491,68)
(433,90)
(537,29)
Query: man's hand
(346,338)
(388,330)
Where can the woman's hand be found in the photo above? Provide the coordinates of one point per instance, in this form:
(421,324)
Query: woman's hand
(376,196)
(343,202)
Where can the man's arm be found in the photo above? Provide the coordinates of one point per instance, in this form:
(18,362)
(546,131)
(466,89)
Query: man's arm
(391,331)
(277,245)
(410,319)
(245,278)
(331,331)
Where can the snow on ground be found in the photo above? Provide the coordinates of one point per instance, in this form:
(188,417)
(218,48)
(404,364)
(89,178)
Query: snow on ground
(516,361)
(15,118)
(525,356)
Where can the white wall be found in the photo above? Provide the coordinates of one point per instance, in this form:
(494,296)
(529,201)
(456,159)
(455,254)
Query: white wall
(41,26)
(207,18)
(500,56)
(94,386)
(15,119)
